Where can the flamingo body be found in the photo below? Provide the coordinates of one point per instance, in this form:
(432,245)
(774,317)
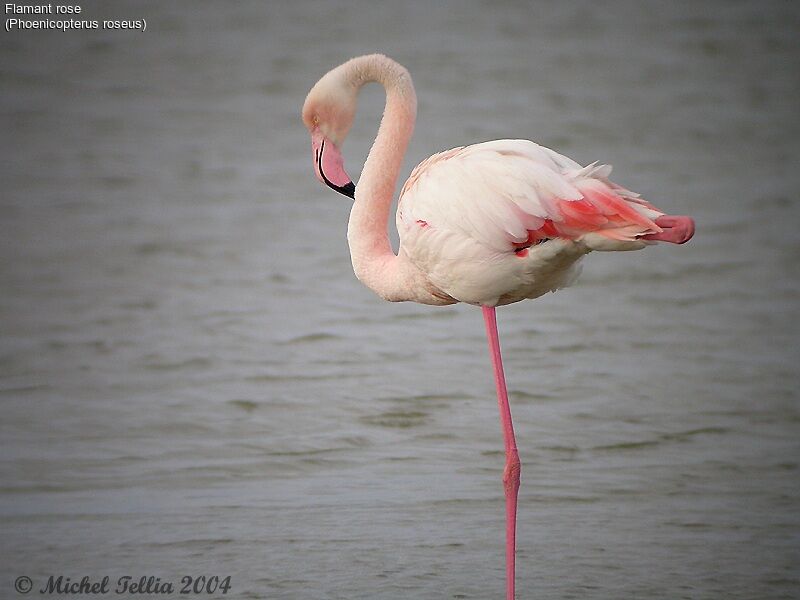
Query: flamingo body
(488,224)
(502,221)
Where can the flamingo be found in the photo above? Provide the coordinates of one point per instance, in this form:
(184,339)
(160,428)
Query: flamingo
(487,224)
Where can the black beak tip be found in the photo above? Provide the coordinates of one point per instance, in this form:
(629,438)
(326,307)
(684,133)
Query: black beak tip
(348,189)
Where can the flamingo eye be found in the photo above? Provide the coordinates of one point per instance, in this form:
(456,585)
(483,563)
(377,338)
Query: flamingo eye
(315,120)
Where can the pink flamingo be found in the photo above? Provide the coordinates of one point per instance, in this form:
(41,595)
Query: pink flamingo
(488,224)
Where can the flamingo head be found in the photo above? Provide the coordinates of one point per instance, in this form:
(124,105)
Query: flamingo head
(328,113)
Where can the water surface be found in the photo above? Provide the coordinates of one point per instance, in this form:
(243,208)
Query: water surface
(193,382)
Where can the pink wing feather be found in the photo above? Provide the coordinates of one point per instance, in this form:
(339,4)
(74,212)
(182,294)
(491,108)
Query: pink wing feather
(509,194)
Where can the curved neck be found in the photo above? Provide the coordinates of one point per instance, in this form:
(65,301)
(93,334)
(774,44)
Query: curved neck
(374,262)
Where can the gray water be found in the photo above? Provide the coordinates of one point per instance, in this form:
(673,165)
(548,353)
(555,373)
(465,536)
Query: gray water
(194,383)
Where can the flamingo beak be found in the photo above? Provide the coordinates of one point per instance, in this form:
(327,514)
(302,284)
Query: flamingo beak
(329,166)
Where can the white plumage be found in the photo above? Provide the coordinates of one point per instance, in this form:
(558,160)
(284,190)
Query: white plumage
(464,216)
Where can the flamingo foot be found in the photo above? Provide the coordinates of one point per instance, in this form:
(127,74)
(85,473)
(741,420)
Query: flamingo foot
(677,229)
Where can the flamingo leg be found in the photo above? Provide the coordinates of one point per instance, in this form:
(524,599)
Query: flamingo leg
(512,468)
